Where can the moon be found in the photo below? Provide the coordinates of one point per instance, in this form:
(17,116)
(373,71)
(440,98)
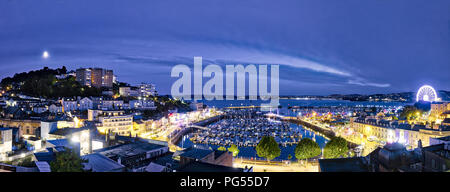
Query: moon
(45,55)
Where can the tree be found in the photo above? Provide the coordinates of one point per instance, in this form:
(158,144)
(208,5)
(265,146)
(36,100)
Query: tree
(307,148)
(268,148)
(410,112)
(222,148)
(26,162)
(234,149)
(336,148)
(67,161)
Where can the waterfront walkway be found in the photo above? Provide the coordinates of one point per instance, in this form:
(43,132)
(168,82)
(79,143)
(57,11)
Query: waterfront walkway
(325,131)
(175,138)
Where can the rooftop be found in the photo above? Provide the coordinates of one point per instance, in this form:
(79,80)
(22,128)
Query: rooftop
(101,163)
(131,149)
(43,166)
(45,156)
(61,143)
(394,146)
(195,153)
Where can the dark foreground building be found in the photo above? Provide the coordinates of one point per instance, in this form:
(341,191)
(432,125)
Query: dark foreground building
(395,158)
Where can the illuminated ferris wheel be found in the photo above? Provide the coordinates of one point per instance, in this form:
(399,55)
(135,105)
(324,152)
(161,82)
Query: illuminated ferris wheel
(426,93)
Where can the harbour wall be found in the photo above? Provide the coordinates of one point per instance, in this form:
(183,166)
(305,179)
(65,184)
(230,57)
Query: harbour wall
(177,137)
(328,133)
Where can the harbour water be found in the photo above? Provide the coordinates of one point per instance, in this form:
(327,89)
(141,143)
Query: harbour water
(286,103)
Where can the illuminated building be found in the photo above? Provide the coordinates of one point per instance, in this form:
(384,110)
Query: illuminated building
(83,76)
(142,104)
(107,78)
(392,131)
(196,106)
(115,122)
(438,109)
(129,92)
(47,128)
(69,104)
(95,77)
(147,90)
(26,127)
(5,140)
(85,104)
(108,104)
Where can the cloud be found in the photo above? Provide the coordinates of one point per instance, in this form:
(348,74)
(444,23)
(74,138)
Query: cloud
(296,68)
(363,83)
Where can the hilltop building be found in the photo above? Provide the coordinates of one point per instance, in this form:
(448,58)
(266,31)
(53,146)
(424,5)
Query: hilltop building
(95,77)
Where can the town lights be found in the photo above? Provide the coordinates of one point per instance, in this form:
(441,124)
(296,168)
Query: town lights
(76,121)
(368,129)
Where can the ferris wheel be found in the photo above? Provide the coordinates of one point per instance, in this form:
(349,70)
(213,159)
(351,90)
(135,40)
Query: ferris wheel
(426,93)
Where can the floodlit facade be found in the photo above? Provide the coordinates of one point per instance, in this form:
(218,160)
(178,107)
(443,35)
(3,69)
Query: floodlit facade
(391,131)
(128,92)
(115,122)
(5,140)
(147,89)
(438,108)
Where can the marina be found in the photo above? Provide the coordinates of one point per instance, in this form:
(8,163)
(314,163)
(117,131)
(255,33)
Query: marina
(245,127)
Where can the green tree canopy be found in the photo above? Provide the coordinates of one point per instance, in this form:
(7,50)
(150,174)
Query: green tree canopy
(67,161)
(268,148)
(222,148)
(43,83)
(307,148)
(410,112)
(336,148)
(234,149)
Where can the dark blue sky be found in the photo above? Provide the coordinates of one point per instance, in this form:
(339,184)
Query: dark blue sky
(323,46)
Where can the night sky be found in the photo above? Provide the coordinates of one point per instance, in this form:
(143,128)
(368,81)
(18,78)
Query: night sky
(323,46)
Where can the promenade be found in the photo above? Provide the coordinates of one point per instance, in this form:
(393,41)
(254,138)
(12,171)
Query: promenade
(276,166)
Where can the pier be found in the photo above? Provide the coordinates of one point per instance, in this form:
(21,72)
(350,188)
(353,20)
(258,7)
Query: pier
(175,138)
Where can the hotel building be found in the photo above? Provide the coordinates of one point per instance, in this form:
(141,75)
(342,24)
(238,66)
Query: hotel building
(147,90)
(95,77)
(115,122)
